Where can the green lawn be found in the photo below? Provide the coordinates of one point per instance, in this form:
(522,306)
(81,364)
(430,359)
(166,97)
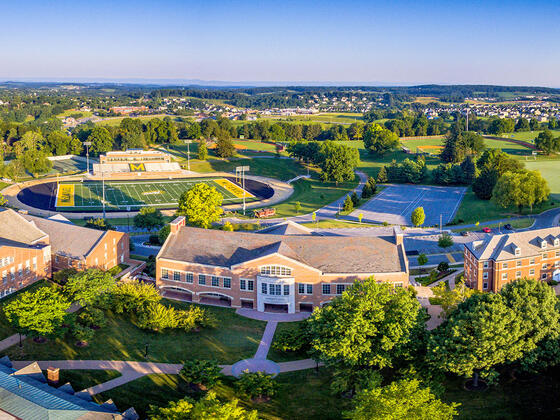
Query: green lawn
(82,379)
(301,395)
(280,356)
(282,169)
(515,224)
(473,210)
(3,185)
(234,339)
(313,194)
(5,328)
(550,170)
(514,149)
(527,135)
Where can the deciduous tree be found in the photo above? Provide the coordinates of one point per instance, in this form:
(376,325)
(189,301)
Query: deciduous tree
(418,217)
(201,205)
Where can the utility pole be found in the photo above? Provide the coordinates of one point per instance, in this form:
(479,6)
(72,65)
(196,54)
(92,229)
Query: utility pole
(440,219)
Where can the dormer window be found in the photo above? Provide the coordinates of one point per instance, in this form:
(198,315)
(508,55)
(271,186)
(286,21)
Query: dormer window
(556,242)
(543,244)
(517,251)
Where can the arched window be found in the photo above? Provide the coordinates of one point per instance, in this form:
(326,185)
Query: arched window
(275,270)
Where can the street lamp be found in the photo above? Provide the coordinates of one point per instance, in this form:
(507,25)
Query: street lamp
(87,144)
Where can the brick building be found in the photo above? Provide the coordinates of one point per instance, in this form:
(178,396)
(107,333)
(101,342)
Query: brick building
(500,259)
(285,268)
(31,248)
(25,253)
(80,247)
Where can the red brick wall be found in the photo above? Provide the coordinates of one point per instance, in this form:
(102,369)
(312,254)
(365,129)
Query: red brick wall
(38,261)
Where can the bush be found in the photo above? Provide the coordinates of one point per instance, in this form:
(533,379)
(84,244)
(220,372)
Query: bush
(443,266)
(157,317)
(297,340)
(92,317)
(348,204)
(193,318)
(202,372)
(61,277)
(445,240)
(154,240)
(133,297)
(256,384)
(227,226)
(422,259)
(81,333)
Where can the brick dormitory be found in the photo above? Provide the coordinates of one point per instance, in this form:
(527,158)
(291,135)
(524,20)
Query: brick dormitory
(500,259)
(284,268)
(31,248)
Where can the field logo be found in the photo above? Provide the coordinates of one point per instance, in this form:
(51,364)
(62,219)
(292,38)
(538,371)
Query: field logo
(137,167)
(229,186)
(65,196)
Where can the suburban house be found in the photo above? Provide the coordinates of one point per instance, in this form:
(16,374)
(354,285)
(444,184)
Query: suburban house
(25,252)
(500,259)
(25,394)
(31,248)
(284,268)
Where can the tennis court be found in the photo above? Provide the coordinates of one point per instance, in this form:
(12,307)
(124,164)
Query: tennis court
(123,195)
(68,165)
(396,203)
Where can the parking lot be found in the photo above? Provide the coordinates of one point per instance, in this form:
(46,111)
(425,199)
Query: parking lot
(396,203)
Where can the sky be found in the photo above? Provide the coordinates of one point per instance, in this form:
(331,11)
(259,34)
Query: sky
(396,42)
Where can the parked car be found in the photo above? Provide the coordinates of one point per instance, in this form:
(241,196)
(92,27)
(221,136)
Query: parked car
(487,230)
(465,233)
(508,226)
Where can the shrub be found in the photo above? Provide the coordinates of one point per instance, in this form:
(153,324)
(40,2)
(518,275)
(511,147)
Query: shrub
(256,384)
(348,204)
(443,266)
(92,317)
(422,259)
(193,318)
(157,317)
(445,240)
(202,372)
(61,277)
(154,240)
(82,333)
(227,226)
(133,297)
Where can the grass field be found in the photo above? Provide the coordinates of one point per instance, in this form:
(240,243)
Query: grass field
(527,135)
(550,170)
(234,338)
(123,194)
(515,224)
(282,169)
(312,194)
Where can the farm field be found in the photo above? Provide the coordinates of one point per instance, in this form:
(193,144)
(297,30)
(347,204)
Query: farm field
(123,194)
(326,117)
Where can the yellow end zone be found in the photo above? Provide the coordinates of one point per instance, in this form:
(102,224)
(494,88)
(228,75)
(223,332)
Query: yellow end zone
(236,190)
(65,195)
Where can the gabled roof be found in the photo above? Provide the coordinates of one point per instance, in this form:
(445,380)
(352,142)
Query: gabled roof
(329,254)
(287,228)
(15,230)
(68,239)
(27,397)
(502,247)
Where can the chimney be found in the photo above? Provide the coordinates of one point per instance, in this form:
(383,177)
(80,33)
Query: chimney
(176,224)
(397,232)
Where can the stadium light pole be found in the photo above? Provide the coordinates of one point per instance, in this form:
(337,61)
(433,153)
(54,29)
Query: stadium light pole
(87,144)
(103,188)
(188,155)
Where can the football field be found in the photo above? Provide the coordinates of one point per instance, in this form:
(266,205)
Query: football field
(130,195)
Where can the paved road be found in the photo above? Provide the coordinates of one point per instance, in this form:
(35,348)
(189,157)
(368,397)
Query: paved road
(140,249)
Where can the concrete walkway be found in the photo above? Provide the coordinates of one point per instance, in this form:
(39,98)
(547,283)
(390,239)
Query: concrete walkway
(266,340)
(129,370)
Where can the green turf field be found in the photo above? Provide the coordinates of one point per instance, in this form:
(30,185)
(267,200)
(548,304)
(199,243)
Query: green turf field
(121,195)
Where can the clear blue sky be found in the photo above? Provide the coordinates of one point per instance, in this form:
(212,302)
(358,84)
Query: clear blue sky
(394,42)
